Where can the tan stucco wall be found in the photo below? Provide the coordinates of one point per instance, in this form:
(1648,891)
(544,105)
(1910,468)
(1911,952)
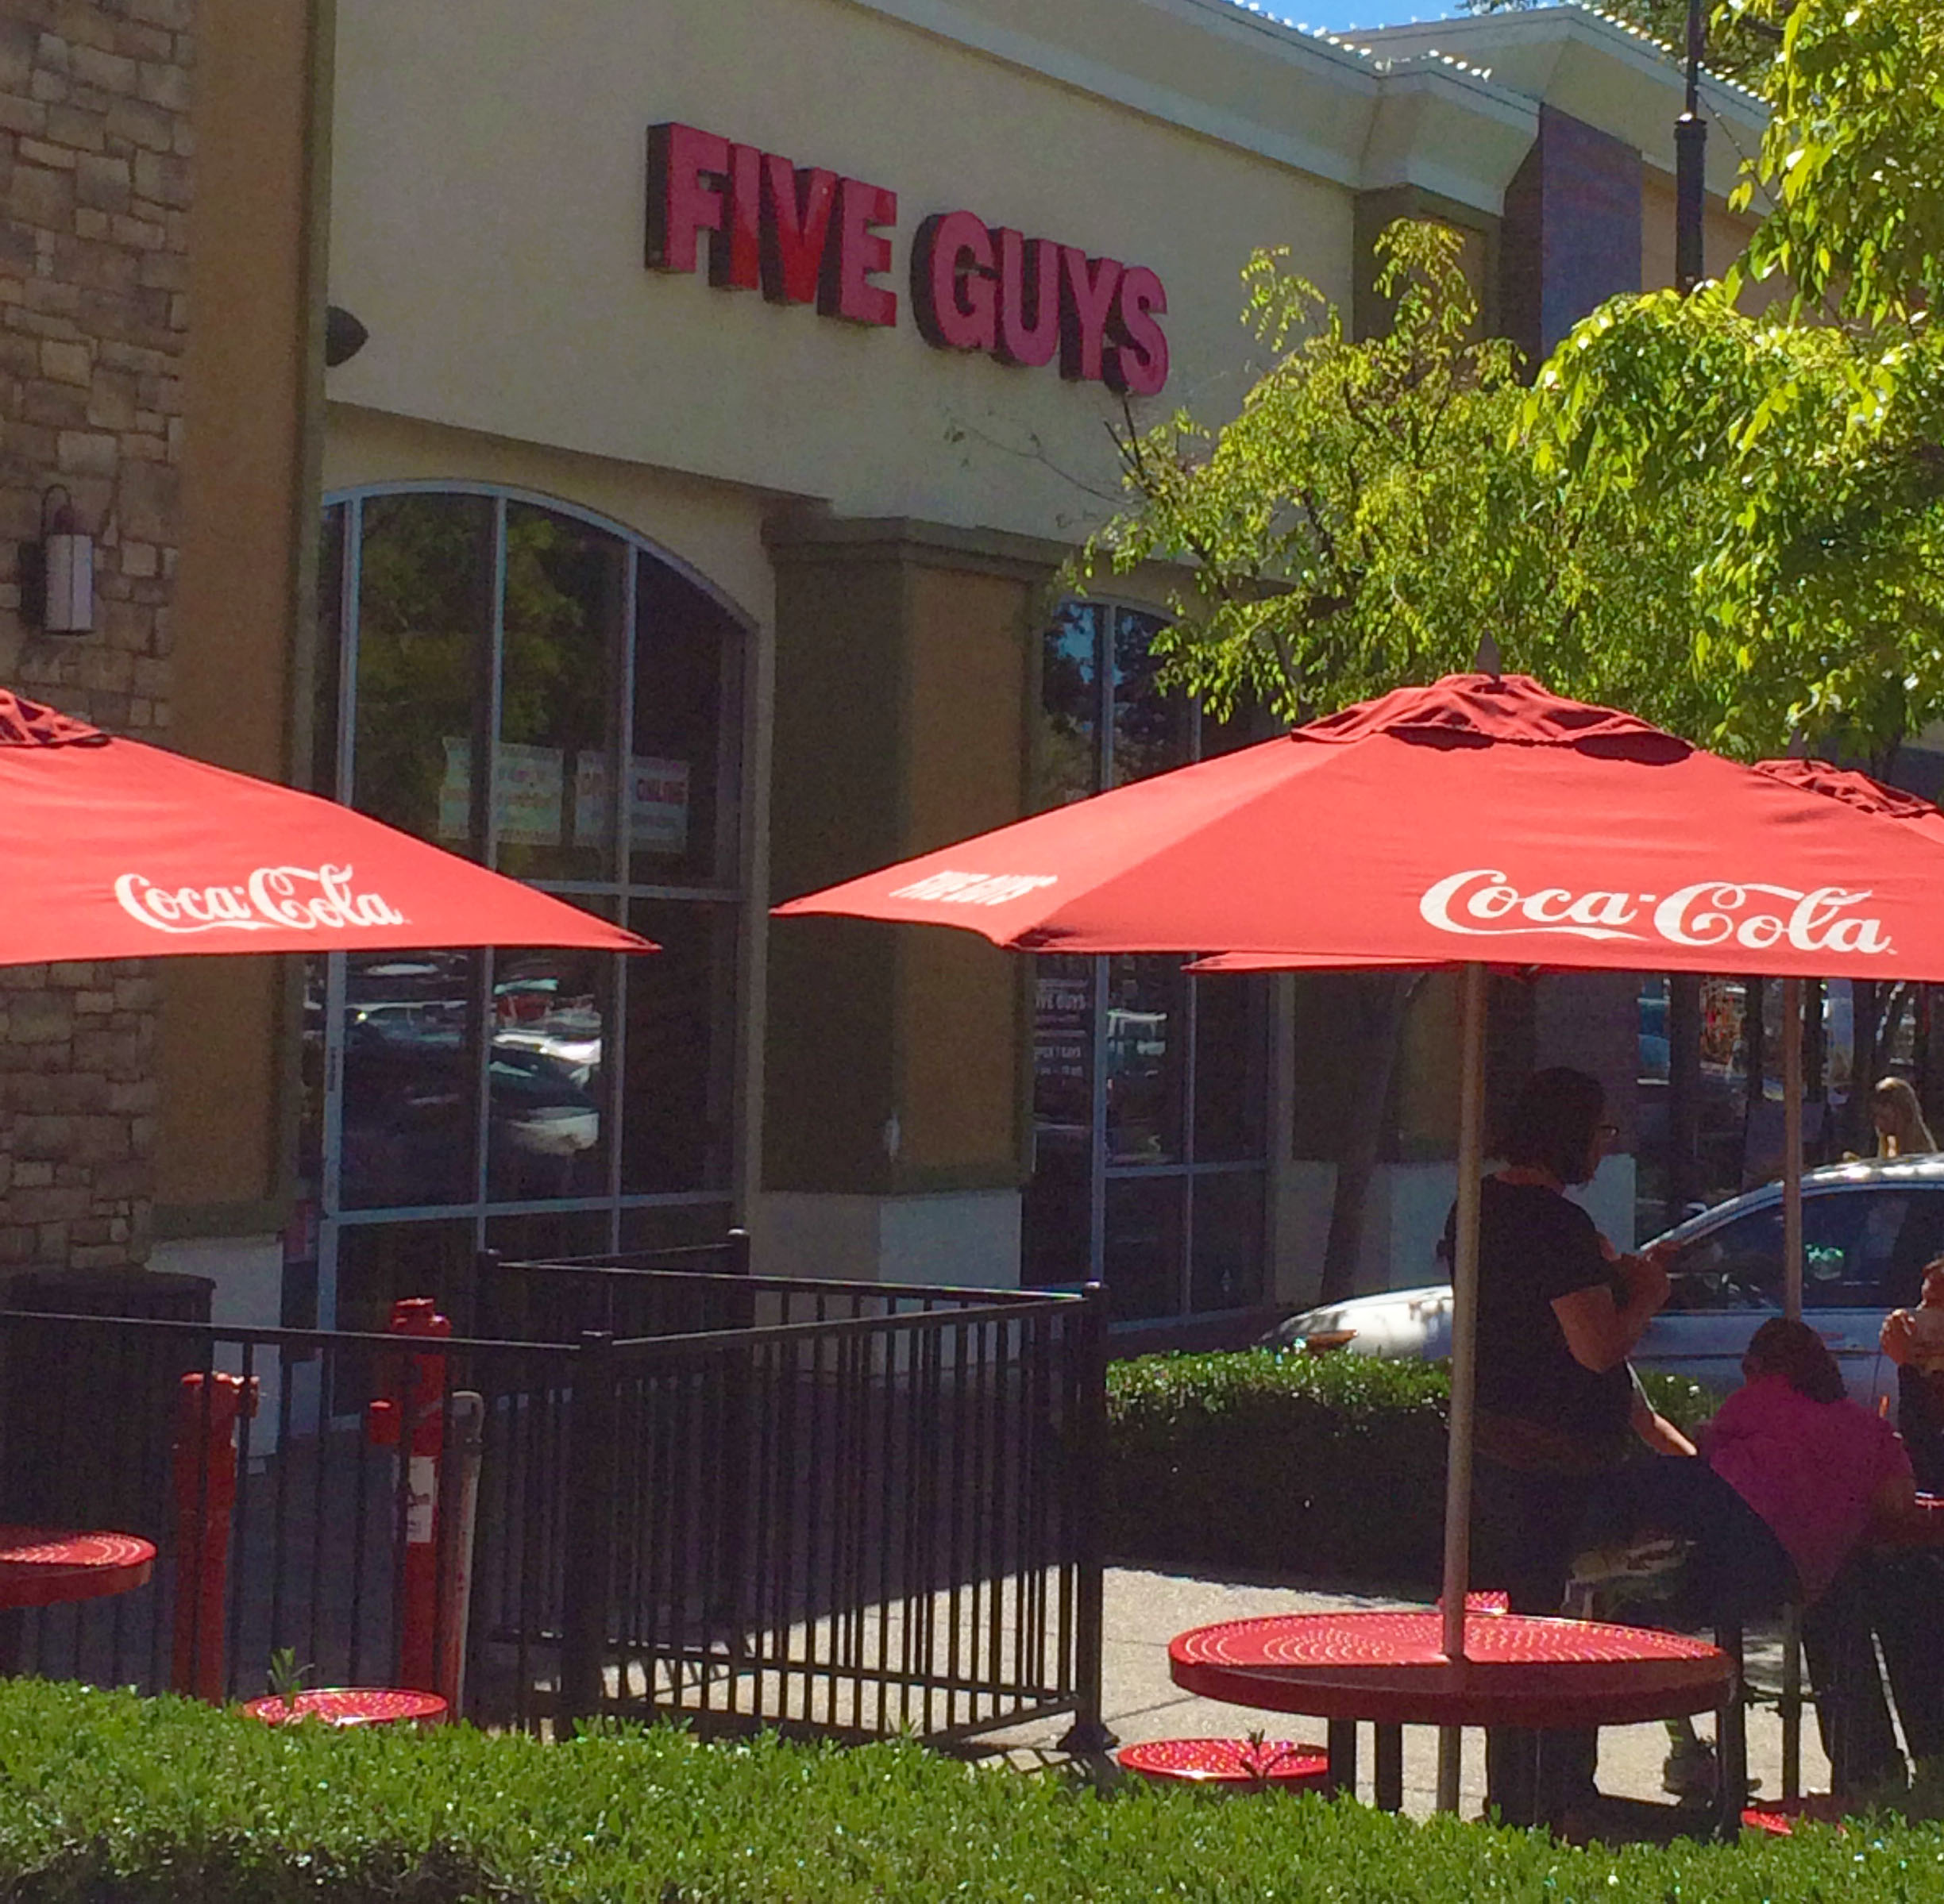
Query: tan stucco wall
(961,1031)
(487,229)
(244,513)
(715,530)
(1725,234)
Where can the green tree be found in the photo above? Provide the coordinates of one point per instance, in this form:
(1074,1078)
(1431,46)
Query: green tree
(1820,593)
(1371,512)
(1374,510)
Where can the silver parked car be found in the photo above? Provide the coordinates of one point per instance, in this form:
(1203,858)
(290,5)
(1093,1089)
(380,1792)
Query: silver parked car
(1868,1230)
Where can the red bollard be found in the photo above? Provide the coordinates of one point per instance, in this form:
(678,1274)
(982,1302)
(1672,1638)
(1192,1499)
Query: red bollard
(205,1487)
(418,1384)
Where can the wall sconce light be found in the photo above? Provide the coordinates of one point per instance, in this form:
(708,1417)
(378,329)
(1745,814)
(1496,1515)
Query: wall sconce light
(344,336)
(67,567)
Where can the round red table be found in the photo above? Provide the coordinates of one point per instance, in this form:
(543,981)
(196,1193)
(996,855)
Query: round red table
(1389,1668)
(342,1706)
(42,1566)
(1283,1762)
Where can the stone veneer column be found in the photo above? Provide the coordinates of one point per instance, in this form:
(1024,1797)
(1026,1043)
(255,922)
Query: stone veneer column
(95,144)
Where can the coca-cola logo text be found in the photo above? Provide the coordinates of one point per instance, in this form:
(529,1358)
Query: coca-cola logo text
(1481,903)
(300,899)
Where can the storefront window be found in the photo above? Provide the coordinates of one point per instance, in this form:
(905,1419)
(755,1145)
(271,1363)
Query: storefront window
(1149,1087)
(534,688)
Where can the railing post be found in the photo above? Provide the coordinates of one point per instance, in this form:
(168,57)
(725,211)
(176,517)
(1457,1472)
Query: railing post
(481,1318)
(1086,1478)
(588,1532)
(734,1491)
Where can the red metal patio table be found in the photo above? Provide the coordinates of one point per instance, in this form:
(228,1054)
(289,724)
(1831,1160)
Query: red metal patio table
(1389,1669)
(43,1566)
(49,1566)
(348,1705)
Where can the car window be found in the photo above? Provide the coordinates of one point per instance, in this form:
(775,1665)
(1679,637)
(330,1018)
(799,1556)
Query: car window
(1921,1238)
(1736,1265)
(1859,1247)
(1850,1240)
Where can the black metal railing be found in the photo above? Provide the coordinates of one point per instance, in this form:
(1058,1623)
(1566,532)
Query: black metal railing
(853,1508)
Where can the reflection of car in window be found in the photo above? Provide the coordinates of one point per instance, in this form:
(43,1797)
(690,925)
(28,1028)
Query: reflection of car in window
(1868,1230)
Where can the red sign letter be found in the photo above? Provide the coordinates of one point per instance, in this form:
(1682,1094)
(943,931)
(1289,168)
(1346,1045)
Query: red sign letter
(795,223)
(685,170)
(735,252)
(1028,279)
(1138,363)
(954,291)
(857,254)
(1087,287)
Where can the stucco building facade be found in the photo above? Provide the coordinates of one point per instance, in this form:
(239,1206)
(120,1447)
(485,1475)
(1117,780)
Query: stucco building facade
(686,532)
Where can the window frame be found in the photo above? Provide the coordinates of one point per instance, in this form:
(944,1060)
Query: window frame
(1188,1168)
(725,890)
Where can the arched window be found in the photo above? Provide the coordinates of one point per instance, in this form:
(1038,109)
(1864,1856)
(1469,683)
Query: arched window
(539,690)
(1149,1088)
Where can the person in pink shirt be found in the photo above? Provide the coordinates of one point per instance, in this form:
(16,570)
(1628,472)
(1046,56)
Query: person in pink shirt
(1818,1469)
(1792,1476)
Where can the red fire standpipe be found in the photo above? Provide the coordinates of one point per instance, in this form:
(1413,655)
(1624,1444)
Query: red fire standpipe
(417,1392)
(208,1410)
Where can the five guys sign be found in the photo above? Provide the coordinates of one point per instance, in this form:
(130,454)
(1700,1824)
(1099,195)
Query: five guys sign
(801,235)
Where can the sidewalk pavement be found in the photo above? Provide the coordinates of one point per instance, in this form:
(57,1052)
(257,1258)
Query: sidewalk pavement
(1145,1610)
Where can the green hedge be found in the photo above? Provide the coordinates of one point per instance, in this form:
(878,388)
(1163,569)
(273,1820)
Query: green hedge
(1332,1466)
(112,1800)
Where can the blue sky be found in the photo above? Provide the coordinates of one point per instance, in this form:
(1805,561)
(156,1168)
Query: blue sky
(1335,16)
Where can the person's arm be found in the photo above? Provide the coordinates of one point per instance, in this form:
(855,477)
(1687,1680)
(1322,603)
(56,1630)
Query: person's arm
(1602,1333)
(1897,1337)
(1658,1432)
(1919,1418)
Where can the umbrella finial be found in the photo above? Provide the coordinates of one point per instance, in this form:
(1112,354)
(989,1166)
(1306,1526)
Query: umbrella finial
(1487,661)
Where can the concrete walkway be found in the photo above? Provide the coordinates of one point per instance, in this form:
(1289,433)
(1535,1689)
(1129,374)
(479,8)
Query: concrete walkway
(1146,1609)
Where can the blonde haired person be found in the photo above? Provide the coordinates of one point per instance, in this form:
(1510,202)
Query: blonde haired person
(1901,1130)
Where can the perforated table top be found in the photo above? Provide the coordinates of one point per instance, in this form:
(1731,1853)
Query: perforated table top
(46,1566)
(349,1706)
(1389,1667)
(1228,1761)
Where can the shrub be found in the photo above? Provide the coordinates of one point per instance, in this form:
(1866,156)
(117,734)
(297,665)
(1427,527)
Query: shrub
(105,1799)
(1332,1466)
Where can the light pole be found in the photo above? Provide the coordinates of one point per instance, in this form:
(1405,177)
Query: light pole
(1690,165)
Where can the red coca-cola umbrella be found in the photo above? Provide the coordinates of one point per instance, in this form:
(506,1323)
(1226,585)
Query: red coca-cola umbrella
(1478,822)
(1477,819)
(112,849)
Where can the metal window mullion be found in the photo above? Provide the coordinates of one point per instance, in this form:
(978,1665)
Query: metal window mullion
(1097,1176)
(486,766)
(1103,696)
(602,889)
(330,1139)
(1191,1026)
(350,586)
(1103,766)
(614,1039)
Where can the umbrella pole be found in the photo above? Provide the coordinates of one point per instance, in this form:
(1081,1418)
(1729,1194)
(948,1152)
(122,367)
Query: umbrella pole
(1791,1303)
(1464,1344)
(1791,1147)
